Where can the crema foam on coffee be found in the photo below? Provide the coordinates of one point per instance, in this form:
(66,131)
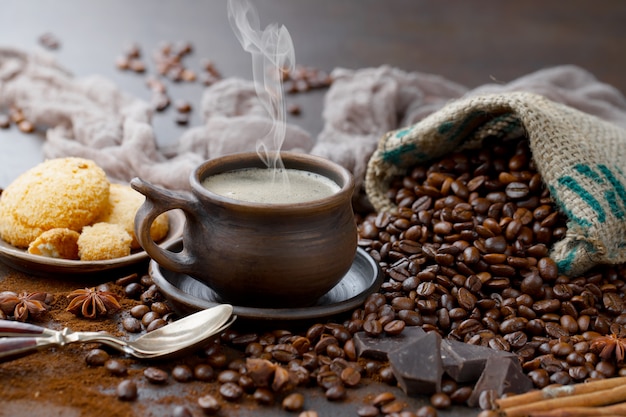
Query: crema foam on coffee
(262,185)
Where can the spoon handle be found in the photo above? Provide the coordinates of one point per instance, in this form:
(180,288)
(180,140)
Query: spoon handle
(16,347)
(15,328)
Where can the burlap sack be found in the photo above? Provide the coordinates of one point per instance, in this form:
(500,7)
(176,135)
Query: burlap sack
(581,158)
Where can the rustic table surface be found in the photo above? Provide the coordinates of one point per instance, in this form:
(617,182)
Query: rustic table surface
(471,43)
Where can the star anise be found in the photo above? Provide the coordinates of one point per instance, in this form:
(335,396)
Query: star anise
(23,305)
(91,303)
(609,346)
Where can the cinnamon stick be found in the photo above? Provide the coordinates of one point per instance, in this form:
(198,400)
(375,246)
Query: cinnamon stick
(591,399)
(610,410)
(560,391)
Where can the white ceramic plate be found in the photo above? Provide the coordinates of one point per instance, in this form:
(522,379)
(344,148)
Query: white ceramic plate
(23,261)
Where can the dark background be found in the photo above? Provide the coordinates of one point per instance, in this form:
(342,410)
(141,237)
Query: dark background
(469,42)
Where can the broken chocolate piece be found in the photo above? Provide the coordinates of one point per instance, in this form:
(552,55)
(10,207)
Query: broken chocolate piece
(502,374)
(417,366)
(378,348)
(464,362)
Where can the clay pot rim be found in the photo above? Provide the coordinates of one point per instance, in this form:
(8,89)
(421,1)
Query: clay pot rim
(294,160)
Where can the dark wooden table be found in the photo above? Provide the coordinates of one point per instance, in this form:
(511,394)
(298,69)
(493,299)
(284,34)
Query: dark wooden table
(472,43)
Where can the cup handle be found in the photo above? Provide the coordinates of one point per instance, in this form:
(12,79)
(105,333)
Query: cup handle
(158,201)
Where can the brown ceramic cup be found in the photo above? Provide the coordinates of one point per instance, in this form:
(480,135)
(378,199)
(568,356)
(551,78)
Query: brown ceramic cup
(257,254)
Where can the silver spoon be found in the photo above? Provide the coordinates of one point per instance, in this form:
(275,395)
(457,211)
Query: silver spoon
(20,339)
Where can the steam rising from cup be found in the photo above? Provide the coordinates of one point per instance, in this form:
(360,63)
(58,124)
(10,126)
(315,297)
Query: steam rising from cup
(272,53)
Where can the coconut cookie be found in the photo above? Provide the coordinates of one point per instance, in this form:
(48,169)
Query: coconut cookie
(56,243)
(123,205)
(59,193)
(103,241)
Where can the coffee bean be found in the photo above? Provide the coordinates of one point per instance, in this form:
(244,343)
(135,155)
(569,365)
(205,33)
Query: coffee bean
(5,121)
(548,269)
(230,391)
(426,411)
(372,327)
(155,324)
(25,126)
(517,190)
(440,401)
(155,375)
(367,411)
(139,311)
(461,395)
(116,367)
(383,398)
(96,357)
(160,101)
(131,325)
(182,373)
(181,411)
(127,390)
(336,393)
(183,106)
(209,404)
(293,402)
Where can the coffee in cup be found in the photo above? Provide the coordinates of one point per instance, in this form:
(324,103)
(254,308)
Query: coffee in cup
(271,186)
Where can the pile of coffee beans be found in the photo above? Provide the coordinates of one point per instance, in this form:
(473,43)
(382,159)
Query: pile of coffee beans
(467,256)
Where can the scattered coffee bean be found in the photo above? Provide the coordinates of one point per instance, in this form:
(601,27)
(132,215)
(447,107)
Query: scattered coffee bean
(263,396)
(293,402)
(181,411)
(367,411)
(25,126)
(5,121)
(393,407)
(96,357)
(183,106)
(426,411)
(209,404)
(182,119)
(155,375)
(336,393)
(127,390)
(204,372)
(440,400)
(116,367)
(294,109)
(182,373)
(49,41)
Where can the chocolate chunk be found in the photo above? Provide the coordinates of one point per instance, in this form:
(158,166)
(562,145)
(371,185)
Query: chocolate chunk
(417,366)
(502,374)
(378,348)
(464,362)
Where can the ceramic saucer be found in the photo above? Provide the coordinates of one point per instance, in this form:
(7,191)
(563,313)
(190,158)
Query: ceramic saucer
(188,294)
